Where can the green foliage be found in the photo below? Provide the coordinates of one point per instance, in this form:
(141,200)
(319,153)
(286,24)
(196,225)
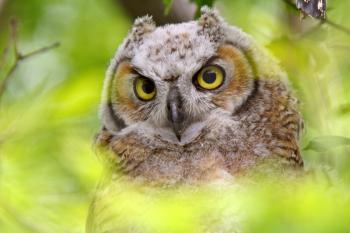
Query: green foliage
(325,143)
(270,206)
(167,4)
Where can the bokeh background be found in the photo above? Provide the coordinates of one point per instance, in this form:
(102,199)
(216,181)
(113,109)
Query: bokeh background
(48,113)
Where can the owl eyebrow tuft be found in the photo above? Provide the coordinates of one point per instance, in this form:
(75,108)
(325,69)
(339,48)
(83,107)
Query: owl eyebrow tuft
(171,78)
(136,70)
(208,62)
(211,59)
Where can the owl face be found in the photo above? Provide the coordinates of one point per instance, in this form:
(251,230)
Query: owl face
(170,80)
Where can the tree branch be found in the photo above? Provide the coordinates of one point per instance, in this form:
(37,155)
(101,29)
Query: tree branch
(2,3)
(5,53)
(338,26)
(19,57)
(40,50)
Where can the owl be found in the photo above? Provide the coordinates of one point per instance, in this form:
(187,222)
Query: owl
(196,102)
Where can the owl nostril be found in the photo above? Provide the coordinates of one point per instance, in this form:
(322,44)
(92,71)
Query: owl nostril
(174,113)
(176,118)
(174,110)
(174,105)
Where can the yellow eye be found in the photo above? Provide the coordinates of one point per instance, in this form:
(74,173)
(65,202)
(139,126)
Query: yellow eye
(144,88)
(210,77)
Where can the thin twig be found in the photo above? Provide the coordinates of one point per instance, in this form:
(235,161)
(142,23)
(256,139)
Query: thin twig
(344,48)
(14,36)
(5,52)
(323,21)
(19,57)
(40,50)
(338,26)
(4,82)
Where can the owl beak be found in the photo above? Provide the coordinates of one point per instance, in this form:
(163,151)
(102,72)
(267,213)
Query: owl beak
(176,120)
(175,115)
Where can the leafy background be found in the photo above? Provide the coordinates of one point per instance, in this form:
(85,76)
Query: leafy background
(48,117)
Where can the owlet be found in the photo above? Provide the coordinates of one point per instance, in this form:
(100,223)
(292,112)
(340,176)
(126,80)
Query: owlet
(194,102)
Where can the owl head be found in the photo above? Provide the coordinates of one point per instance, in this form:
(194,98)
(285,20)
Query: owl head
(168,81)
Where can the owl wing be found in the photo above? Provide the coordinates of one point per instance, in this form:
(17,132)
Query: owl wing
(272,118)
(286,122)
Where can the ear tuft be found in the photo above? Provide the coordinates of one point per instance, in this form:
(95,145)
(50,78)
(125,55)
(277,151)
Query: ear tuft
(142,26)
(211,23)
(209,17)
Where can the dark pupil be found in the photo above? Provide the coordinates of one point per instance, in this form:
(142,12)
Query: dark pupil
(147,86)
(209,76)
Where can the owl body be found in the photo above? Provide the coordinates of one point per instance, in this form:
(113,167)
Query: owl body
(195,102)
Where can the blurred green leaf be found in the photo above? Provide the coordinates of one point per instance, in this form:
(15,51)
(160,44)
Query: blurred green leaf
(168,4)
(344,109)
(325,143)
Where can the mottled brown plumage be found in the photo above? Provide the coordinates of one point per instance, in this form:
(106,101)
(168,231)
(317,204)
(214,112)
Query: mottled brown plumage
(266,125)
